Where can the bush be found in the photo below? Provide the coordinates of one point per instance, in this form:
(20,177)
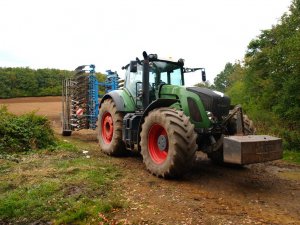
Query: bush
(25,132)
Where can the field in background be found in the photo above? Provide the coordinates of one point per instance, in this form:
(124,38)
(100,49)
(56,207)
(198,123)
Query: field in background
(48,106)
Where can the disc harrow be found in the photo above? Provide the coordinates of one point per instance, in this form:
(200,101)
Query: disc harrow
(80,98)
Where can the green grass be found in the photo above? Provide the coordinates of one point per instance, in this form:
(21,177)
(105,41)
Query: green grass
(59,185)
(292,156)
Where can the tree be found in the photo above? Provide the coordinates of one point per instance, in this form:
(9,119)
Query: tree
(221,81)
(273,66)
(268,83)
(18,82)
(205,84)
(22,82)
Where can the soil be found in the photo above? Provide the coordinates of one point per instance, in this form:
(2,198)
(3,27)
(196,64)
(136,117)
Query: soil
(48,106)
(267,193)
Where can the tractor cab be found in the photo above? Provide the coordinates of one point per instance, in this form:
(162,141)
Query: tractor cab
(159,73)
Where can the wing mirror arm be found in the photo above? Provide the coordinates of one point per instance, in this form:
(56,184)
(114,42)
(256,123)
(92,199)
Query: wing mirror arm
(189,70)
(203,75)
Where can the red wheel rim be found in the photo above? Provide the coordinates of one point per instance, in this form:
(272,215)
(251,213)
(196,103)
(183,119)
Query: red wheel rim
(158,143)
(107,127)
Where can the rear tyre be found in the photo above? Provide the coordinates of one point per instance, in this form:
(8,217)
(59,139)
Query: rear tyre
(110,129)
(217,155)
(168,142)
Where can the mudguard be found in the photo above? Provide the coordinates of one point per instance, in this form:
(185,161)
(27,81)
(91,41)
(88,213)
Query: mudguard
(118,100)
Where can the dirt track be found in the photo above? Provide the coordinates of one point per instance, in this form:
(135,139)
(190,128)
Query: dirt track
(210,194)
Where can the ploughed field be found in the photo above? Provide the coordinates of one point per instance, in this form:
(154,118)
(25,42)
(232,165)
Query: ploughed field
(210,194)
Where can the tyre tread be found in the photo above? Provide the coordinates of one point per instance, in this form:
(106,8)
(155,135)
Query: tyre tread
(182,138)
(116,147)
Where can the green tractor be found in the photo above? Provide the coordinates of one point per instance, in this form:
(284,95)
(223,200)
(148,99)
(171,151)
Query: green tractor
(156,115)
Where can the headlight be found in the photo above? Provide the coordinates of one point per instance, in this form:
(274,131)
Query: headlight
(211,117)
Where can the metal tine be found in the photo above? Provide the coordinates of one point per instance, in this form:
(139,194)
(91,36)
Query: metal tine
(79,72)
(80,67)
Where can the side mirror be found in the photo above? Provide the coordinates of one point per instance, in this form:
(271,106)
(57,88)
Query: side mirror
(133,66)
(203,75)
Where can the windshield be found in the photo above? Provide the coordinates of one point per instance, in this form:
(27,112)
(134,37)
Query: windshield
(160,72)
(165,73)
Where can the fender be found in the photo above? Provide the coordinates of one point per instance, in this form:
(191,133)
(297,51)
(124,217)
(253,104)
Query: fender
(118,100)
(153,105)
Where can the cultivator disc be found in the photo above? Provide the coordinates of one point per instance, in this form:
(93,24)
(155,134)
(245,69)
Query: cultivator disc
(80,99)
(79,103)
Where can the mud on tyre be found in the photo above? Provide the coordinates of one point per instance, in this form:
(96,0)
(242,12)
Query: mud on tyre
(110,129)
(168,142)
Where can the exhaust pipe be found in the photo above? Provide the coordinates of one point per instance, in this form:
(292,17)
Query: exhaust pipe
(145,85)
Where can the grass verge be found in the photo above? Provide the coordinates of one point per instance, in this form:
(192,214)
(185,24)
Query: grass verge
(292,156)
(61,186)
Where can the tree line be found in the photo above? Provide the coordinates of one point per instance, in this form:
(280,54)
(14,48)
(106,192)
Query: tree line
(267,81)
(26,82)
(21,82)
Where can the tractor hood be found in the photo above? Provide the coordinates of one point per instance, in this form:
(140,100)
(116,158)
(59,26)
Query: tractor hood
(215,102)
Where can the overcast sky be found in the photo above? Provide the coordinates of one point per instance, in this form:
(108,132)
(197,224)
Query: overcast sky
(66,33)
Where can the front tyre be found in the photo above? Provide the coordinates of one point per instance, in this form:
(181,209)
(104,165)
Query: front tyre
(110,129)
(168,142)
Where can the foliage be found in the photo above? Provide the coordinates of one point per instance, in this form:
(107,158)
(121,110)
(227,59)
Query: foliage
(267,84)
(205,84)
(18,82)
(221,81)
(23,82)
(292,156)
(101,78)
(25,132)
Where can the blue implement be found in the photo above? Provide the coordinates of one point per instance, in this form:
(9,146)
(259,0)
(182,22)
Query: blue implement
(80,98)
